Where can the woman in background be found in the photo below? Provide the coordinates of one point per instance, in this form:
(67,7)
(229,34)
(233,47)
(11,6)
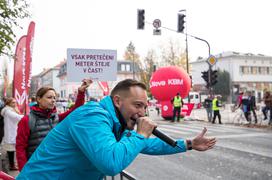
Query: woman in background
(11,116)
(43,117)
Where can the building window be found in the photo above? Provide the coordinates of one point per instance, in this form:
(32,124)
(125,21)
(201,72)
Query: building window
(262,70)
(246,70)
(254,70)
(241,69)
(123,67)
(259,70)
(270,70)
(128,67)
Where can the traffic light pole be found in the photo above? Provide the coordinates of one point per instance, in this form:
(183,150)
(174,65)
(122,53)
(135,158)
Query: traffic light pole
(210,81)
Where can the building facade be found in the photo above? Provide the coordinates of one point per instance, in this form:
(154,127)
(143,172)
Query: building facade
(248,72)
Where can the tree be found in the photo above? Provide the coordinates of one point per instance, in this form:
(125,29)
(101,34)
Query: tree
(10,13)
(222,87)
(148,67)
(130,53)
(173,55)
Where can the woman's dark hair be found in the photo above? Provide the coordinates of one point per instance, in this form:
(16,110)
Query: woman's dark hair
(124,86)
(33,98)
(43,90)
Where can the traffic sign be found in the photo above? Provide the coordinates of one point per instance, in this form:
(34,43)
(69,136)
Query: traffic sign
(156,32)
(157,23)
(212,60)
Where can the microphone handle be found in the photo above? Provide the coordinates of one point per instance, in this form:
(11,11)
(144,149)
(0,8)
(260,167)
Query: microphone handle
(164,137)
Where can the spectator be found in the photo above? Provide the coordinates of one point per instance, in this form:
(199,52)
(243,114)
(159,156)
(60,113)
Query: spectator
(43,117)
(208,107)
(245,104)
(252,105)
(98,139)
(268,106)
(33,101)
(11,116)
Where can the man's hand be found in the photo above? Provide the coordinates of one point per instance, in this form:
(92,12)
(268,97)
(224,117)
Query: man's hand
(201,143)
(145,126)
(85,84)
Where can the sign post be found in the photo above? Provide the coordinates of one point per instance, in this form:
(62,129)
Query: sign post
(157,25)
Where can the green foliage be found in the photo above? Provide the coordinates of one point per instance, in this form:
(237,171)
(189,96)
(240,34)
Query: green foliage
(10,12)
(222,87)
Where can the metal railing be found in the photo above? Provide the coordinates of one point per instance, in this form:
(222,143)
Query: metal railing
(122,175)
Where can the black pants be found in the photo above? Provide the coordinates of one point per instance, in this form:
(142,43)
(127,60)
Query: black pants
(11,158)
(247,116)
(216,113)
(176,110)
(255,115)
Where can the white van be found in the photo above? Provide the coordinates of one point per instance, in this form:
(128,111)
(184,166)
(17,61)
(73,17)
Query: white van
(194,98)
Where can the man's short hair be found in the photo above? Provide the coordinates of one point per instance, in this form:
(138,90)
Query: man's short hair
(125,85)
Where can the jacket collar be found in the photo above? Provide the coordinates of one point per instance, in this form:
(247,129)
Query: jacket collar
(42,112)
(119,121)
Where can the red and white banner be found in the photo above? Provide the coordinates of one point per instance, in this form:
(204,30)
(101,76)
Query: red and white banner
(104,86)
(28,55)
(22,69)
(19,75)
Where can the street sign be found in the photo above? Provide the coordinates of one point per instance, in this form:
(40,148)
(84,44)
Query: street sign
(212,60)
(157,23)
(156,32)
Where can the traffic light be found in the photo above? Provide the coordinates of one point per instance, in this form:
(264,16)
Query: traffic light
(181,22)
(141,19)
(213,77)
(205,76)
(154,68)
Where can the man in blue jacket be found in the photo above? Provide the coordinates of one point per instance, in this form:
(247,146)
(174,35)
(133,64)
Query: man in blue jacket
(98,139)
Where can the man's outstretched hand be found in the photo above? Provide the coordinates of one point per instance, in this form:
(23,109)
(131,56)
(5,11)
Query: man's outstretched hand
(202,143)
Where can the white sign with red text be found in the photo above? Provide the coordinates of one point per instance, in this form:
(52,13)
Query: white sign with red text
(96,64)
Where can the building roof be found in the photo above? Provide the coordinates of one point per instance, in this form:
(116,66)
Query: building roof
(232,54)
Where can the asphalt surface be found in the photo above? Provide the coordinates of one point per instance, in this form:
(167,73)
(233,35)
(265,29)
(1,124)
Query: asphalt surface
(243,151)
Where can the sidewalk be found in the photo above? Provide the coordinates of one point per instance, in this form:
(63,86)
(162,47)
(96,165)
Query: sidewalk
(229,117)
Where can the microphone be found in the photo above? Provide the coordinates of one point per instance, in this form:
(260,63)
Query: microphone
(164,137)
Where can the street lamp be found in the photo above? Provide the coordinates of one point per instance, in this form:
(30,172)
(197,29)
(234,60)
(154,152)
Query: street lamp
(186,50)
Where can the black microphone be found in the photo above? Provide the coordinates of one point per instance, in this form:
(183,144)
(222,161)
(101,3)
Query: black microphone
(164,137)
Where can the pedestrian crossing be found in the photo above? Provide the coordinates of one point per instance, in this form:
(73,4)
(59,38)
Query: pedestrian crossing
(187,129)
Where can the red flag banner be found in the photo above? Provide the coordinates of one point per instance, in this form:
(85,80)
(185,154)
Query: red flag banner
(19,75)
(28,57)
(104,86)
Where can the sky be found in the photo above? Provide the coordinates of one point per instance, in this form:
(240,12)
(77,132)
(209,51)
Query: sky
(228,25)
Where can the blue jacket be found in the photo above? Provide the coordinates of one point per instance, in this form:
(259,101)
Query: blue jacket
(84,146)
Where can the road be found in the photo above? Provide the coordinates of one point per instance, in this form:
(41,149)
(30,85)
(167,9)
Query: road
(240,153)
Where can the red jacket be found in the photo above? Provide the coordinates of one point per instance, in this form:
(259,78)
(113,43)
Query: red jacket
(23,131)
